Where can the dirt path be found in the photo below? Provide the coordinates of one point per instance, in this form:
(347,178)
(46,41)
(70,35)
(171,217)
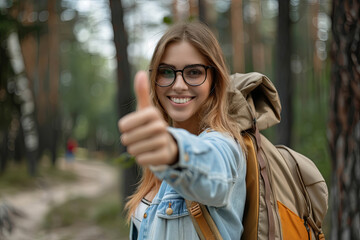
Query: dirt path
(94,178)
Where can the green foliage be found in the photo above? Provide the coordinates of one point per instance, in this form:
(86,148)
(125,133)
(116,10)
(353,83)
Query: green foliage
(310,121)
(125,160)
(311,88)
(104,212)
(168,20)
(88,95)
(16,177)
(7,25)
(107,212)
(66,214)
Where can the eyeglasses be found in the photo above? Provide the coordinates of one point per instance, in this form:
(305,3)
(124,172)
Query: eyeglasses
(193,75)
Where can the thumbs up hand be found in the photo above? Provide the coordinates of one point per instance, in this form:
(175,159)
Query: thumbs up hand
(144,132)
(142,90)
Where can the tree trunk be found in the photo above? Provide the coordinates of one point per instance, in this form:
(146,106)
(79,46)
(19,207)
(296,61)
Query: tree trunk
(174,11)
(129,177)
(40,50)
(203,11)
(193,9)
(3,151)
(257,46)
(283,80)
(344,123)
(237,33)
(27,118)
(54,78)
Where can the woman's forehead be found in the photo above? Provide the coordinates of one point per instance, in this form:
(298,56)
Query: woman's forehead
(180,54)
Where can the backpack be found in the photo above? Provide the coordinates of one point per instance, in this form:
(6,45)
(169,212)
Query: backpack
(287,197)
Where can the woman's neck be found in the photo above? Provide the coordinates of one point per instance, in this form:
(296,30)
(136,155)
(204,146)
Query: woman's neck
(192,125)
(192,128)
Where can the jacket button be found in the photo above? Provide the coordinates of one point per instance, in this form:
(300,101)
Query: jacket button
(186,157)
(169,210)
(145,215)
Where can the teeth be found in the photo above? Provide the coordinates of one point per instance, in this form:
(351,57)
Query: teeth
(180,100)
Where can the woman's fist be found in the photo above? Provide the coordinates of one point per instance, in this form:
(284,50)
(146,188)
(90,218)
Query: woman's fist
(144,132)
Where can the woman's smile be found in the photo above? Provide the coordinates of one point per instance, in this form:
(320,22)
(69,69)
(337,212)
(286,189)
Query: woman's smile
(180,100)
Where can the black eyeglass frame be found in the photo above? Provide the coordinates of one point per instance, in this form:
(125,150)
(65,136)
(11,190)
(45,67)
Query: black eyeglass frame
(206,67)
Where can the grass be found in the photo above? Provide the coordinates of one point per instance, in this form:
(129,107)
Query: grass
(103,212)
(17,179)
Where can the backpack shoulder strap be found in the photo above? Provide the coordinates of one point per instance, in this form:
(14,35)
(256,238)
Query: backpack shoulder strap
(264,175)
(203,222)
(251,211)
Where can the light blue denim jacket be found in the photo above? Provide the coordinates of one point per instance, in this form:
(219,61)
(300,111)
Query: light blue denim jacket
(211,170)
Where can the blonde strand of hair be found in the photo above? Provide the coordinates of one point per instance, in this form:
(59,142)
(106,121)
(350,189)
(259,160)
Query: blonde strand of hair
(147,183)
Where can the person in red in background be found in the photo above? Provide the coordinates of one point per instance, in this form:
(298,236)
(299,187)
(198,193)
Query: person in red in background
(70,149)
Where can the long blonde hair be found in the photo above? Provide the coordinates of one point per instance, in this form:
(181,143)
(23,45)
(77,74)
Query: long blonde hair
(214,112)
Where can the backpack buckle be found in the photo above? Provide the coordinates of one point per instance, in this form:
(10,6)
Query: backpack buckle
(196,211)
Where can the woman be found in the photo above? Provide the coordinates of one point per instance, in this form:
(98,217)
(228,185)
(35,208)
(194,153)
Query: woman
(184,139)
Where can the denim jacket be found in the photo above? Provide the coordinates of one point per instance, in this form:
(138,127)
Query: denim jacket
(211,170)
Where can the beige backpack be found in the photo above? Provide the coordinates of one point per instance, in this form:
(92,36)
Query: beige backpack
(287,197)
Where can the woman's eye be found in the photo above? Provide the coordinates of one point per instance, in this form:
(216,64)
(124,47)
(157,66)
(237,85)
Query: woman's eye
(168,73)
(194,72)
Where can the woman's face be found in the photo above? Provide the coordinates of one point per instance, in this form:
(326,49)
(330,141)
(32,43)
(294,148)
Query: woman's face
(181,101)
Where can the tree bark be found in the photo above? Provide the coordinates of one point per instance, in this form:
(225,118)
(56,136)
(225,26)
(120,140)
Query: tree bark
(203,11)
(344,121)
(237,33)
(174,11)
(125,97)
(40,50)
(283,73)
(27,118)
(54,78)
(3,151)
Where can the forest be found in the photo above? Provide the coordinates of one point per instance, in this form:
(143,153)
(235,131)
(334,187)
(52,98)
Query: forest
(67,70)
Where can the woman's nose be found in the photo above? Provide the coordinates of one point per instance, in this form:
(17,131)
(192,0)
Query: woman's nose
(179,83)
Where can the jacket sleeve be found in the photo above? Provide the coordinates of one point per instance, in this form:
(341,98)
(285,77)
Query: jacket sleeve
(207,167)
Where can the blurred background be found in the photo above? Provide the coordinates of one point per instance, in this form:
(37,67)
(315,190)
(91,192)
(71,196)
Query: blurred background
(66,70)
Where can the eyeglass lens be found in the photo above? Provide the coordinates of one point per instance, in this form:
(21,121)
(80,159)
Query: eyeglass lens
(193,75)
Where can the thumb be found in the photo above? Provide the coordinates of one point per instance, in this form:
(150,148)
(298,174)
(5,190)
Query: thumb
(142,90)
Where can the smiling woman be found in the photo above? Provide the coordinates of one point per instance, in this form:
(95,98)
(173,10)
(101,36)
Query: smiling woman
(188,146)
(179,100)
